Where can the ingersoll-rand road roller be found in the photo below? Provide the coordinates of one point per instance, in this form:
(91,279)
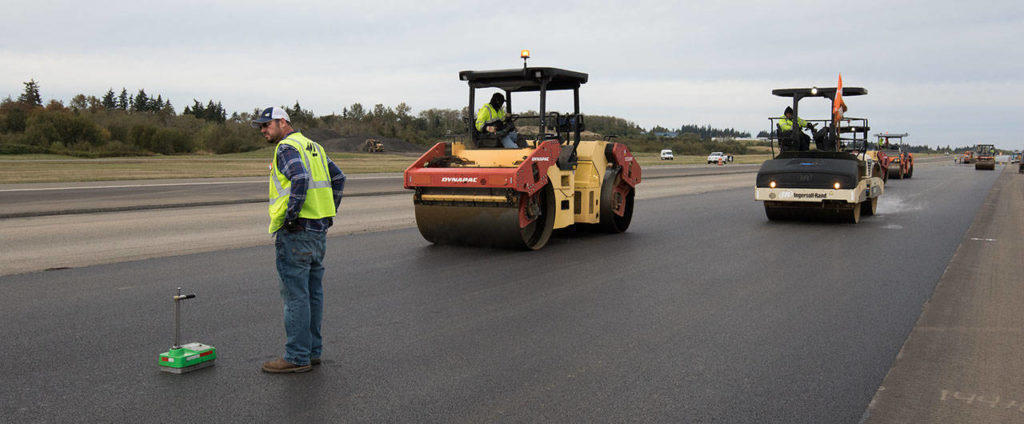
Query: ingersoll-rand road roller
(835,180)
(477,192)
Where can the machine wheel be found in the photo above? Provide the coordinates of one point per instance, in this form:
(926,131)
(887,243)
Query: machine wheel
(852,214)
(868,207)
(610,200)
(536,234)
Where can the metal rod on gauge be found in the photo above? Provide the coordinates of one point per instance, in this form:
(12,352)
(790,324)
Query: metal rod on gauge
(177,320)
(177,316)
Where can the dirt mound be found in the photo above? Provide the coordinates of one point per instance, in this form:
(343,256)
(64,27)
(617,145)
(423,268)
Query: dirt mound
(334,142)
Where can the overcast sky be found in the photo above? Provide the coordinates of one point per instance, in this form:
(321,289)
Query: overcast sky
(947,72)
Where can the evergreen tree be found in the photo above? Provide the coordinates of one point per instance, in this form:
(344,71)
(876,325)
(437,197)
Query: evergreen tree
(31,95)
(167,108)
(141,102)
(109,102)
(122,100)
(222,115)
(213,112)
(297,115)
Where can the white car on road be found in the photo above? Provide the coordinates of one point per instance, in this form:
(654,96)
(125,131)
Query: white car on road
(714,157)
(667,154)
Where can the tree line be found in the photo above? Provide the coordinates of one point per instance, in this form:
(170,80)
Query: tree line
(116,124)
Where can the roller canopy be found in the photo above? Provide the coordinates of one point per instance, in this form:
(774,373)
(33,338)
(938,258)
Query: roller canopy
(525,79)
(829,92)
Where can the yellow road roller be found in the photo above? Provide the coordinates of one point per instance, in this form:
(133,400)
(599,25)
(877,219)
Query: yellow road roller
(513,184)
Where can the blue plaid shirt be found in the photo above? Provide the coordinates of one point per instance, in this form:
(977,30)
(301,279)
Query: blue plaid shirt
(289,161)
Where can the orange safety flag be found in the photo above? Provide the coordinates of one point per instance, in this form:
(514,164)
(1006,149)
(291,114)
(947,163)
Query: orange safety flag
(838,105)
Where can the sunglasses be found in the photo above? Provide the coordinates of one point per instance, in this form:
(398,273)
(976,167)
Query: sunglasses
(265,124)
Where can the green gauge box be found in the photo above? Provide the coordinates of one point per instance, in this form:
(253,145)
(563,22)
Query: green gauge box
(189,357)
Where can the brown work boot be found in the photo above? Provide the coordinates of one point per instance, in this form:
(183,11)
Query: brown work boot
(281,366)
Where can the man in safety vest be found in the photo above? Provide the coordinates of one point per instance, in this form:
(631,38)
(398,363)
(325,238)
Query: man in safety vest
(491,118)
(786,132)
(305,191)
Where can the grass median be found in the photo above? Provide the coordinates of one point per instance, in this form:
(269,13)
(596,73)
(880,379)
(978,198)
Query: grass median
(54,168)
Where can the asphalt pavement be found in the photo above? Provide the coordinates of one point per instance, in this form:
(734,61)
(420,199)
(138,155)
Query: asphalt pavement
(702,312)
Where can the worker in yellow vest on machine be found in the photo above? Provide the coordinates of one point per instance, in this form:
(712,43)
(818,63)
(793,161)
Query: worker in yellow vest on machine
(490,119)
(788,140)
(305,191)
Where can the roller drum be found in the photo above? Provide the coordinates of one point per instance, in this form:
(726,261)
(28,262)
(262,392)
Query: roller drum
(488,226)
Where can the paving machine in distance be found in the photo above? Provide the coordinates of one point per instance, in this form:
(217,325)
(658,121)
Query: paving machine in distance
(894,159)
(836,180)
(475,192)
(985,157)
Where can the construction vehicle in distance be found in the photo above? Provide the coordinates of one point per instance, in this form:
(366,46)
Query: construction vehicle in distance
(985,157)
(967,157)
(834,181)
(373,146)
(895,161)
(477,193)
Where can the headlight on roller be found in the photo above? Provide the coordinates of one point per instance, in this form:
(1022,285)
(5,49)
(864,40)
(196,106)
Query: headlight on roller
(771,184)
(836,185)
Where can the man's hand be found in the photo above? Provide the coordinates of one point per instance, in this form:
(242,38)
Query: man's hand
(491,129)
(292,226)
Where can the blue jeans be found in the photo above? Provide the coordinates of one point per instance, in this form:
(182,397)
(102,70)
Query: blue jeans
(300,265)
(509,140)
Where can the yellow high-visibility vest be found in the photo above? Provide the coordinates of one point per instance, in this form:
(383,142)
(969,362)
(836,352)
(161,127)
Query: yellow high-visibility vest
(319,194)
(786,124)
(487,113)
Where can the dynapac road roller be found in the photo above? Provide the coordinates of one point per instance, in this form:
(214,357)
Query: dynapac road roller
(475,192)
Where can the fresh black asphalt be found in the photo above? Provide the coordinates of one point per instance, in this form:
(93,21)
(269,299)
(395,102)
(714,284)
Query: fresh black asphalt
(702,312)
